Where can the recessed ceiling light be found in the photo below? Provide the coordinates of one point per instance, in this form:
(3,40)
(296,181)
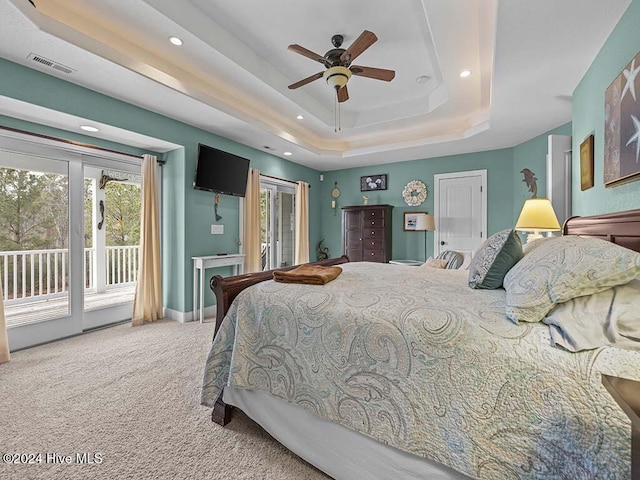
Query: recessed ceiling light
(465,73)
(423,79)
(176,41)
(88,128)
(300,117)
(288,154)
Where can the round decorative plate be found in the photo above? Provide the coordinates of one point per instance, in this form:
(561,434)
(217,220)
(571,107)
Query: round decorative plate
(414,193)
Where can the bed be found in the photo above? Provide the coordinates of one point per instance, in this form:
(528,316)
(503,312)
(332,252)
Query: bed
(394,372)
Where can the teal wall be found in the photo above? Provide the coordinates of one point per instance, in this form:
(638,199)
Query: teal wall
(588,118)
(532,155)
(498,164)
(187,213)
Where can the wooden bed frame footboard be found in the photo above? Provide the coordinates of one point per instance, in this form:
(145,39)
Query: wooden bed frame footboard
(226,290)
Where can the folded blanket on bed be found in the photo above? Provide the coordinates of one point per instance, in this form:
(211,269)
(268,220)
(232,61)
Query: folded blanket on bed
(308,275)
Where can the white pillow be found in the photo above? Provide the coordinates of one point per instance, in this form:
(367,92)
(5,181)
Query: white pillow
(564,268)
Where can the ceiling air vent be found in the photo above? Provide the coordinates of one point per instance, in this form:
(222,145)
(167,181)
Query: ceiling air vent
(50,63)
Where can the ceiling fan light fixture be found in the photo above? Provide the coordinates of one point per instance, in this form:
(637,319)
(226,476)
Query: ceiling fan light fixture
(337,77)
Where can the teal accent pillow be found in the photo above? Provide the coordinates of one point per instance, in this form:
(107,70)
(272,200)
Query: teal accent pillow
(494,259)
(564,268)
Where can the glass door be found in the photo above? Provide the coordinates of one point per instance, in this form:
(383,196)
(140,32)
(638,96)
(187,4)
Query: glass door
(68,249)
(112,201)
(277,224)
(35,260)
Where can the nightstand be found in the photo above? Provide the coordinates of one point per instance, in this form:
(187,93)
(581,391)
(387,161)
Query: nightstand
(627,394)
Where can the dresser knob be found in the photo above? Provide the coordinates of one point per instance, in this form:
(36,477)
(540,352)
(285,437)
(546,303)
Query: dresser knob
(373,233)
(372,223)
(372,254)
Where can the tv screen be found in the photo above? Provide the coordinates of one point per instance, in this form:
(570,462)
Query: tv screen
(220,172)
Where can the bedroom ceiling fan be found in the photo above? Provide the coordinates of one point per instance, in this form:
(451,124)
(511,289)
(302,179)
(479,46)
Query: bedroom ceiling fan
(338,64)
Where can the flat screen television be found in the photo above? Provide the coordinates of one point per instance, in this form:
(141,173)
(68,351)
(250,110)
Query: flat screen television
(220,172)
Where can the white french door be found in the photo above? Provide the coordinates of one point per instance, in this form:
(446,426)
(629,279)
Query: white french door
(46,269)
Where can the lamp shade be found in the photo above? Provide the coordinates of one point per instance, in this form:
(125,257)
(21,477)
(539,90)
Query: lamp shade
(537,215)
(425,221)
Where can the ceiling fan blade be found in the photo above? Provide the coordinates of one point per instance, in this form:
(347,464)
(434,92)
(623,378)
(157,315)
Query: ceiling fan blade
(307,53)
(364,41)
(343,94)
(370,72)
(304,81)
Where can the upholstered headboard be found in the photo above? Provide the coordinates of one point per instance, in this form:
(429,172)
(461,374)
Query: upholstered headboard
(622,228)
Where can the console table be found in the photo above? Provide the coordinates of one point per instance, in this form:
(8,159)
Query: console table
(627,394)
(200,264)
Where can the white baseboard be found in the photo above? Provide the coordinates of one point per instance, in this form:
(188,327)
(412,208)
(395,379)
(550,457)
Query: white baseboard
(183,317)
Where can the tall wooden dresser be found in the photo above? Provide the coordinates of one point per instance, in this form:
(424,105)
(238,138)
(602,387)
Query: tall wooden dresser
(366,233)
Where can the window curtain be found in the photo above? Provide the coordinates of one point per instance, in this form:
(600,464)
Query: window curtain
(4,342)
(251,228)
(302,223)
(147,304)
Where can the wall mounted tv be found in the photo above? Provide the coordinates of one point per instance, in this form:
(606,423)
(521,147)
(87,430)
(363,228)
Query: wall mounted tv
(220,172)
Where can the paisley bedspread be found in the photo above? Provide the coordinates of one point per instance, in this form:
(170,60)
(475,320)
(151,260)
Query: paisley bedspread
(416,359)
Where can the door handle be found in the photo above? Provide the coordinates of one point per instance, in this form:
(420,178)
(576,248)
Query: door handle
(442,242)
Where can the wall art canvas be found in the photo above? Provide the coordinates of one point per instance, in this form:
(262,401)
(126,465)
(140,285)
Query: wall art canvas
(622,127)
(373,182)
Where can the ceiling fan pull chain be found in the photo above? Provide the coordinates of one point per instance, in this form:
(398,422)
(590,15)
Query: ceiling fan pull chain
(336,105)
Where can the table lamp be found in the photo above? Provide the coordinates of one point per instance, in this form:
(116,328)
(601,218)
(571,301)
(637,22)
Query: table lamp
(537,216)
(425,222)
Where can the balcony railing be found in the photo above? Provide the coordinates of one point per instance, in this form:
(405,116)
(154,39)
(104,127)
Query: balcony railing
(31,275)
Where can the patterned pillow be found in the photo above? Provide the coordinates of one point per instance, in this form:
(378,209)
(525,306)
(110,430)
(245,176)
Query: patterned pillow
(564,268)
(494,259)
(435,263)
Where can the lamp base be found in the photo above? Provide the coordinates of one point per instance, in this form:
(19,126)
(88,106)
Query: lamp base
(532,237)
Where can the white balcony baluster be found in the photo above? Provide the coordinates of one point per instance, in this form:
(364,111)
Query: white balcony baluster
(42,274)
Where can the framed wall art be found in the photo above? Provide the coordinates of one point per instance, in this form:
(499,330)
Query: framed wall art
(586,163)
(410,220)
(373,182)
(622,127)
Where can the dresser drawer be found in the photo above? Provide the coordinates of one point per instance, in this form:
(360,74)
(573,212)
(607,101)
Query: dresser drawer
(373,243)
(372,232)
(372,214)
(373,222)
(372,255)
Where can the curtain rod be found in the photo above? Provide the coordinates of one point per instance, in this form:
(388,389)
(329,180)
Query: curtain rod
(70,142)
(278,178)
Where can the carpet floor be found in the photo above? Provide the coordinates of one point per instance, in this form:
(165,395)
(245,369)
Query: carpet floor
(123,403)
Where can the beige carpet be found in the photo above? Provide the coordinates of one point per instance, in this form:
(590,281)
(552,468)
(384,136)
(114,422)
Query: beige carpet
(130,395)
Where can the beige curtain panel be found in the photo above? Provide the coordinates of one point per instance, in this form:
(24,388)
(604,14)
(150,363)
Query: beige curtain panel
(251,228)
(147,304)
(4,342)
(302,223)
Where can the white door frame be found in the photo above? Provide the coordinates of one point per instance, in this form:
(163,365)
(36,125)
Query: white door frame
(436,201)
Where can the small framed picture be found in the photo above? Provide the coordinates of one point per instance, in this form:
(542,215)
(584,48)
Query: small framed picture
(410,219)
(373,182)
(586,163)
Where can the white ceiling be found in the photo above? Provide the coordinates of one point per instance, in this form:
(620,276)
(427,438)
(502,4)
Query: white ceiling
(231,74)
